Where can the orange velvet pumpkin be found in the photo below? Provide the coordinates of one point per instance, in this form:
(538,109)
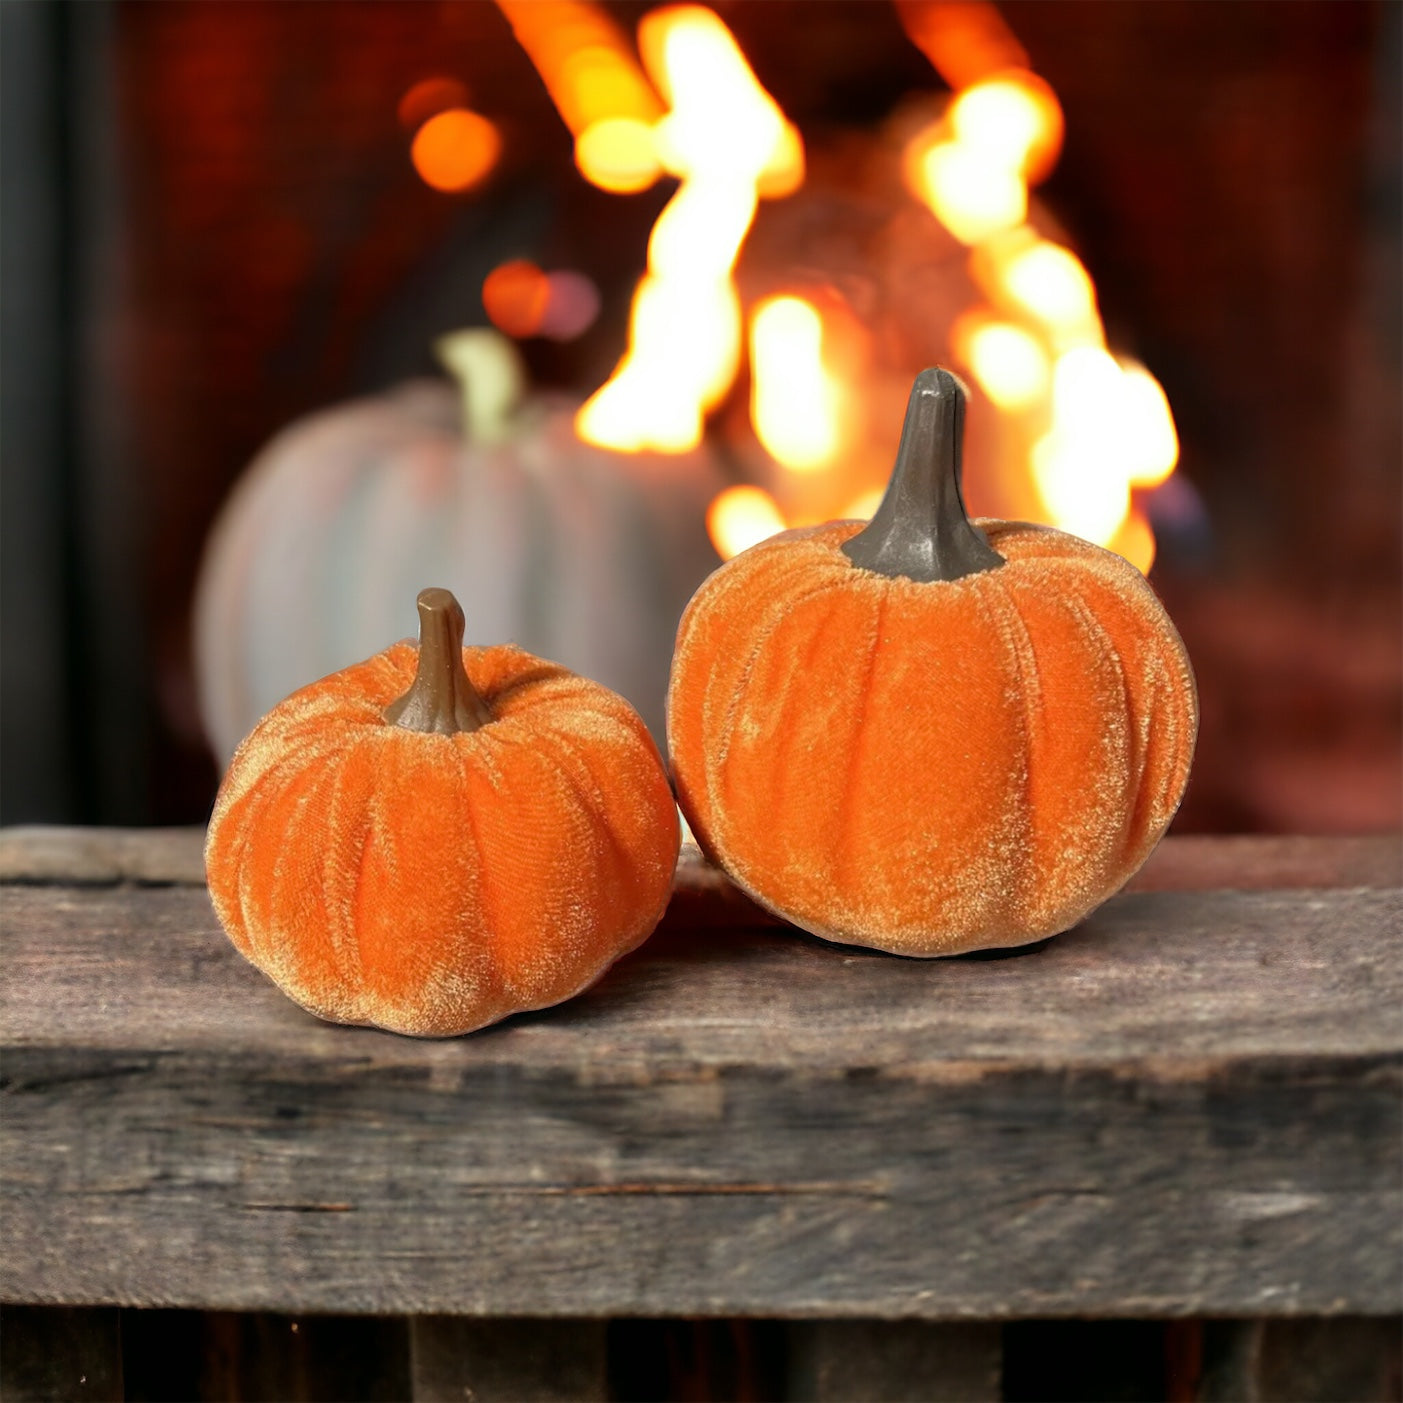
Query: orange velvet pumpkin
(926,735)
(439,837)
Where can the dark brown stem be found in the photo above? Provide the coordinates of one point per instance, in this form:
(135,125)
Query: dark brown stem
(921,530)
(440,699)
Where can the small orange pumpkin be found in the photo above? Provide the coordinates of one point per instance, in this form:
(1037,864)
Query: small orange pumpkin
(442,836)
(926,735)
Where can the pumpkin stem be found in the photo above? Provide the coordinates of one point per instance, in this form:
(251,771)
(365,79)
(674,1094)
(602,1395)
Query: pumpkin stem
(490,379)
(921,530)
(440,699)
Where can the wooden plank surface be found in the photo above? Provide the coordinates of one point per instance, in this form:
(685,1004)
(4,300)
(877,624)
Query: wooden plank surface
(1189,1105)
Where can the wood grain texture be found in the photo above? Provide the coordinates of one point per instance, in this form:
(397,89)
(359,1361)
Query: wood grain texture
(43,853)
(1189,1105)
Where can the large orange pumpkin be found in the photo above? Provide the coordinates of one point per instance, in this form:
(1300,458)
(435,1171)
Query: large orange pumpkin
(928,735)
(439,837)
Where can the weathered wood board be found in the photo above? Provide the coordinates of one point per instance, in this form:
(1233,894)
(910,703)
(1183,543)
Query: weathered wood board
(1188,1105)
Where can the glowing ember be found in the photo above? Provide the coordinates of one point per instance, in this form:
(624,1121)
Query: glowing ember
(456,149)
(1048,283)
(972,196)
(594,80)
(726,138)
(618,154)
(794,401)
(1013,122)
(1151,438)
(1111,429)
(1135,541)
(741,517)
(1008,363)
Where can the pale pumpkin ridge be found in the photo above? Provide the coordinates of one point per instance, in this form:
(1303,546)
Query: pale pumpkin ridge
(718,753)
(220,613)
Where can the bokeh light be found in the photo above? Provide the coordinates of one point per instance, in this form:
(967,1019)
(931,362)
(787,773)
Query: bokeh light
(456,149)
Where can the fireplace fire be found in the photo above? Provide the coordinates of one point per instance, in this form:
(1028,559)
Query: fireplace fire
(1087,435)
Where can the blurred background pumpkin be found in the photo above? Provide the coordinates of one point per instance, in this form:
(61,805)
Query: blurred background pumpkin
(573,553)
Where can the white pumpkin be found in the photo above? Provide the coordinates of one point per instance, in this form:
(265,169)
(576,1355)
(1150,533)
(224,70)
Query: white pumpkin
(576,554)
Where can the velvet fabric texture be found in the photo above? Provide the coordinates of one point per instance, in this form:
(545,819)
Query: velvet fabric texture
(432,884)
(928,768)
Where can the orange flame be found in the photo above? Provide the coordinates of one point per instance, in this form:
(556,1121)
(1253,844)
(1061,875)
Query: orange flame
(794,402)
(1008,363)
(1013,120)
(1111,431)
(965,40)
(598,88)
(726,138)
(741,517)
(1106,426)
